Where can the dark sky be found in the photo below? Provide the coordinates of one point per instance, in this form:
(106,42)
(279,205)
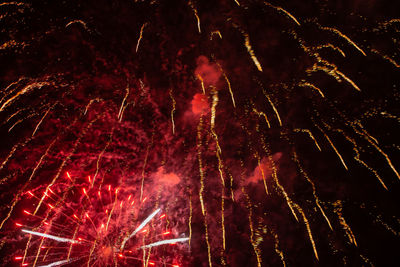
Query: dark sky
(265,131)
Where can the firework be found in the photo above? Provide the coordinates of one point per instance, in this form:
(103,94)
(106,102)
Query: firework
(92,227)
(248,133)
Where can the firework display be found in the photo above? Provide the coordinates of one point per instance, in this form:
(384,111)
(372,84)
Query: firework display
(199,133)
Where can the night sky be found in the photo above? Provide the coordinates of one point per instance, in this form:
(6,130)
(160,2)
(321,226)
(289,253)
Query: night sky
(265,132)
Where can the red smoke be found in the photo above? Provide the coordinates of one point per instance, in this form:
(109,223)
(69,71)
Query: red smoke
(200,104)
(206,71)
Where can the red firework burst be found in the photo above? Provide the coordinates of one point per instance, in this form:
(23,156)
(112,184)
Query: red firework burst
(85,222)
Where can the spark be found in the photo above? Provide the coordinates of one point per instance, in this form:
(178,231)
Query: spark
(202,84)
(262,114)
(25,90)
(215,33)
(343,36)
(262,174)
(311,136)
(371,141)
(317,201)
(190,218)
(284,11)
(123,102)
(56,238)
(196,15)
(140,36)
(308,229)
(172,110)
(167,241)
(333,147)
(253,242)
(77,21)
(57,263)
(274,108)
(144,165)
(101,155)
(251,51)
(220,166)
(230,89)
(391,60)
(277,250)
(338,210)
(140,227)
(307,84)
(329,45)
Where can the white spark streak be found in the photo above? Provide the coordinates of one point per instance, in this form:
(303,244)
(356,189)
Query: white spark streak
(57,238)
(168,241)
(140,227)
(56,263)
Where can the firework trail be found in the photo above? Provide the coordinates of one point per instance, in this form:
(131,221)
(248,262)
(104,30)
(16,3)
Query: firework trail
(194,133)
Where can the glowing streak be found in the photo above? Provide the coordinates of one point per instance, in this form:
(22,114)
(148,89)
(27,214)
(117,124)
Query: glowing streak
(308,229)
(215,33)
(140,227)
(15,147)
(201,190)
(77,142)
(56,238)
(70,247)
(251,51)
(167,241)
(371,141)
(77,21)
(275,178)
(357,153)
(307,84)
(311,136)
(220,169)
(112,210)
(101,155)
(123,101)
(343,36)
(190,218)
(338,210)
(228,82)
(386,157)
(140,36)
(202,84)
(57,263)
(196,15)
(397,65)
(253,242)
(144,165)
(262,174)
(40,122)
(38,252)
(199,144)
(335,48)
(16,113)
(91,252)
(172,110)
(90,103)
(25,90)
(18,122)
(334,148)
(277,250)
(348,80)
(284,11)
(274,108)
(317,201)
(262,114)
